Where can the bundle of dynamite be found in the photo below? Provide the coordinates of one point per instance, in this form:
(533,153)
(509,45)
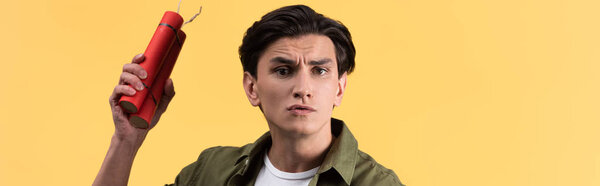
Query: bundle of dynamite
(160,57)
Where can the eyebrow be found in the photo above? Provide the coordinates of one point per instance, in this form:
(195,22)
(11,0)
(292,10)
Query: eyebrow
(291,62)
(283,60)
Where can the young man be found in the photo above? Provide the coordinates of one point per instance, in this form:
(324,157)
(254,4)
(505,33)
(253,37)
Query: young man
(295,66)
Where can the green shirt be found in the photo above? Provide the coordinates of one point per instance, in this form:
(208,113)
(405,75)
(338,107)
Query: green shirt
(344,164)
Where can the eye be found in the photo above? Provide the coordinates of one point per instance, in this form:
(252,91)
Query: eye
(282,71)
(320,71)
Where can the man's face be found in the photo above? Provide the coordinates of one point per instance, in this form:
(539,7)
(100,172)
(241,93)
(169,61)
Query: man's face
(297,84)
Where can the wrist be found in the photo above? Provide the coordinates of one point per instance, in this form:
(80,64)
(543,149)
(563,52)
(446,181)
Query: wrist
(130,142)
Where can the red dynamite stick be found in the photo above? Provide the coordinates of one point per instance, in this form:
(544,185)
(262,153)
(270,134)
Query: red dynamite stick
(155,53)
(143,118)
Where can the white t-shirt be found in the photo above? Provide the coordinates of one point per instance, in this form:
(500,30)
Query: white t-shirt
(271,176)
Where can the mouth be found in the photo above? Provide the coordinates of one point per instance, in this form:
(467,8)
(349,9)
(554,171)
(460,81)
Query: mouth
(300,109)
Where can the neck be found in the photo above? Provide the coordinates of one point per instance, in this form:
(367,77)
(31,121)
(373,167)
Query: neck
(298,153)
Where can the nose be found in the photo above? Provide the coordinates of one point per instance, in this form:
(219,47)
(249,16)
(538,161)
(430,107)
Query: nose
(302,88)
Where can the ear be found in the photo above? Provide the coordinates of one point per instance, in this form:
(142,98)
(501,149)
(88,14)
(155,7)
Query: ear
(251,89)
(341,89)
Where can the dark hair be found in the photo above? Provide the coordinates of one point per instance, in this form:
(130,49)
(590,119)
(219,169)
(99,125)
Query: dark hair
(294,21)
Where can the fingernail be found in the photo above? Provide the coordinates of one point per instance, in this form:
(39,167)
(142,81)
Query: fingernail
(139,86)
(143,75)
(131,91)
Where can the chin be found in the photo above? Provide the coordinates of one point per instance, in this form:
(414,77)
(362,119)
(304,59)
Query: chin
(300,125)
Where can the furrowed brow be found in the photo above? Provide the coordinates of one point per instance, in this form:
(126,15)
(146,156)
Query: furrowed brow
(283,60)
(320,62)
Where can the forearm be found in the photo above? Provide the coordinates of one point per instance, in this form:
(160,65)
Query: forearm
(117,164)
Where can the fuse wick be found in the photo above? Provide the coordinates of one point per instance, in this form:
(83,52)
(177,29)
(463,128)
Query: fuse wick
(178,6)
(194,17)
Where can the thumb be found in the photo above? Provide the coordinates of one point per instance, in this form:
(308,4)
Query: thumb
(168,94)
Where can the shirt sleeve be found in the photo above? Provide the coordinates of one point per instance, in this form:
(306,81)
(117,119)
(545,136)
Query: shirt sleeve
(187,175)
(184,175)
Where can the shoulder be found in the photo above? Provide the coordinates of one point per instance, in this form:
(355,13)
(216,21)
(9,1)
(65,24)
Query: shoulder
(368,172)
(221,156)
(212,165)
(223,153)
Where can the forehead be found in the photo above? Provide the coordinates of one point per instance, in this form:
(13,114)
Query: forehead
(309,46)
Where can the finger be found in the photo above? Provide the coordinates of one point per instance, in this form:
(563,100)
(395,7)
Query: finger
(118,92)
(132,80)
(135,69)
(138,58)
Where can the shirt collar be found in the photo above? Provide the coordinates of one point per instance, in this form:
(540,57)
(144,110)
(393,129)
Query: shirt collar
(343,152)
(341,156)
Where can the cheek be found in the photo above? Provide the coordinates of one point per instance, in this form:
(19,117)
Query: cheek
(271,93)
(328,93)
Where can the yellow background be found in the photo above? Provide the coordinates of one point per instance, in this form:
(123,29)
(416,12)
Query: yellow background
(445,92)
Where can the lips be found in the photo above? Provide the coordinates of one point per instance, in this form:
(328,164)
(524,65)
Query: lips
(300,109)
